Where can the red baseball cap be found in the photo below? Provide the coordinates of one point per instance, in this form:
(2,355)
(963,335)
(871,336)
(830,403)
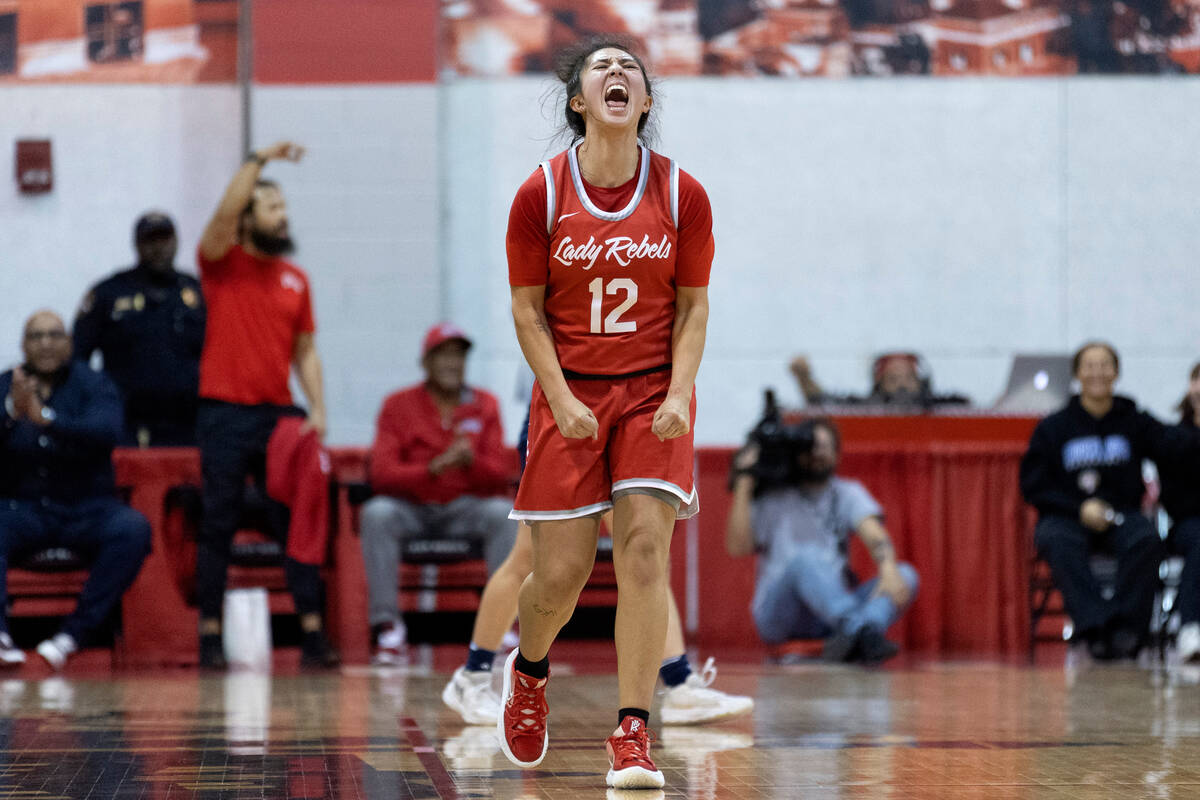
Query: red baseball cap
(440,334)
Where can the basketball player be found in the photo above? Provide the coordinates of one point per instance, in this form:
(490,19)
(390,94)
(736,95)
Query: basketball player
(609,250)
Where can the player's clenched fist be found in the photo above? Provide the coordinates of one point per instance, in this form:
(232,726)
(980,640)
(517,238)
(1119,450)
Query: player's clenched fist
(575,420)
(671,419)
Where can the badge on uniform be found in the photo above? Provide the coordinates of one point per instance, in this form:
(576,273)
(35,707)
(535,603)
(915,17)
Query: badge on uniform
(189,297)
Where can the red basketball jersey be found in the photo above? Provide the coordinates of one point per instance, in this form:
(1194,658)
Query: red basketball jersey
(611,277)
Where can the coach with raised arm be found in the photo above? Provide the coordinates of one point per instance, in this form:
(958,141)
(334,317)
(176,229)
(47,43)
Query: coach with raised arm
(260,326)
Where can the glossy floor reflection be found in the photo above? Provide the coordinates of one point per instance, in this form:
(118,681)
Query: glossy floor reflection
(920,730)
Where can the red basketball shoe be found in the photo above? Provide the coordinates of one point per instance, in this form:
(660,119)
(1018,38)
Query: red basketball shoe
(629,754)
(522,722)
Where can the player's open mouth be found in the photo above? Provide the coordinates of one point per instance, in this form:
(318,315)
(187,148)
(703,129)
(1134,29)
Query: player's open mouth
(616,98)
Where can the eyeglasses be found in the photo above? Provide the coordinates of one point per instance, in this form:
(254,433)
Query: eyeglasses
(51,336)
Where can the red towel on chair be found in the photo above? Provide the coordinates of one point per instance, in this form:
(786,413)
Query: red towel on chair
(298,476)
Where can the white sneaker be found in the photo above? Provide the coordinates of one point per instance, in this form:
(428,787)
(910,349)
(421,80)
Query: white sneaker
(1188,643)
(390,646)
(10,654)
(693,703)
(472,696)
(57,649)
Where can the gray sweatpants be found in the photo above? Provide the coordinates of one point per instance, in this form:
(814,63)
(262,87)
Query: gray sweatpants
(385,521)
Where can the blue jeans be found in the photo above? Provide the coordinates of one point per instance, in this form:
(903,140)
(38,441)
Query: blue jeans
(113,536)
(809,599)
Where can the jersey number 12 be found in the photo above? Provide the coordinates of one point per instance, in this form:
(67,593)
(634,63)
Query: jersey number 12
(613,323)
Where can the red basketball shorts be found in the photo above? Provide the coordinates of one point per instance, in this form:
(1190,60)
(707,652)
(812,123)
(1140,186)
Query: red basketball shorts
(568,478)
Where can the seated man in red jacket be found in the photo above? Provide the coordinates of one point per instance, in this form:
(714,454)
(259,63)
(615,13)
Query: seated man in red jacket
(438,467)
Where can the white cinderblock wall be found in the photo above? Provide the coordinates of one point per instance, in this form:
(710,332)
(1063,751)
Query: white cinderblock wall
(118,151)
(365,210)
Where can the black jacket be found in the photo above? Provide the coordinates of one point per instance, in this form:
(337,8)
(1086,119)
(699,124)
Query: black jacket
(150,328)
(1073,456)
(1180,480)
(70,459)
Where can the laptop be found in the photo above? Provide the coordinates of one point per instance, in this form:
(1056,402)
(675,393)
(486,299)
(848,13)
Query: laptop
(1037,383)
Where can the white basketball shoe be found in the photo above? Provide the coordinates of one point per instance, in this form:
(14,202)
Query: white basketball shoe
(693,703)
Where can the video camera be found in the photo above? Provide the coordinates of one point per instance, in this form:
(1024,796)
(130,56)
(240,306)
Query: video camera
(780,445)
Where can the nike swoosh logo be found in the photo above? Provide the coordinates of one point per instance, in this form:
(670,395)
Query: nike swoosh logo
(564,216)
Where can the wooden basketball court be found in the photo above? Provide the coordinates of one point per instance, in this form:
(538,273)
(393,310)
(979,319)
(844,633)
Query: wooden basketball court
(915,729)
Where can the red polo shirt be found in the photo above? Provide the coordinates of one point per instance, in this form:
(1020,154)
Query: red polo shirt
(256,309)
(409,433)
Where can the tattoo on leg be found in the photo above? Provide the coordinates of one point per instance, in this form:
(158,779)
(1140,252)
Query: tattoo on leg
(545,612)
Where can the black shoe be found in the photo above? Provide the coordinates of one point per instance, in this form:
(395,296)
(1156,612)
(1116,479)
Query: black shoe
(212,652)
(874,647)
(1125,644)
(316,651)
(842,646)
(1096,641)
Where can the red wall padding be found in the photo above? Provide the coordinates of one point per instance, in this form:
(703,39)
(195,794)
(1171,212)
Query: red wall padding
(350,41)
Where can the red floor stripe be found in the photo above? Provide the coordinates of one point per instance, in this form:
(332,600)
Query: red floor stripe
(442,782)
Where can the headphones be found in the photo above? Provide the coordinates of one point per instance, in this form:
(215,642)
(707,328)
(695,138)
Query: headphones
(881,362)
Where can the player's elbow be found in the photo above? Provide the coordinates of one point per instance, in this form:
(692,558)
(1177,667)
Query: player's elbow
(525,316)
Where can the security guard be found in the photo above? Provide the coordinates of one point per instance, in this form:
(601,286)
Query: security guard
(148,323)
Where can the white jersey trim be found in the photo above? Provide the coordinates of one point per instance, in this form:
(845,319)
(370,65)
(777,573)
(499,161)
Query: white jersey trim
(551,200)
(548,516)
(675,193)
(589,206)
(691,501)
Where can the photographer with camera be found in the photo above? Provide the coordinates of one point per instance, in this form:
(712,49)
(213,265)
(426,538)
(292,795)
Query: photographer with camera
(791,509)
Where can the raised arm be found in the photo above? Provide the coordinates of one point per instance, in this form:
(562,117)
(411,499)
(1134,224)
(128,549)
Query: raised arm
(802,372)
(221,233)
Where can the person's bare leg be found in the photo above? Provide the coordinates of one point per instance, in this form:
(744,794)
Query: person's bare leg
(642,527)
(498,604)
(563,554)
(674,646)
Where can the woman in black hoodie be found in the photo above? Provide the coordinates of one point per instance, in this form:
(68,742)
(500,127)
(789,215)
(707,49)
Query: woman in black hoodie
(1181,498)
(1083,473)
